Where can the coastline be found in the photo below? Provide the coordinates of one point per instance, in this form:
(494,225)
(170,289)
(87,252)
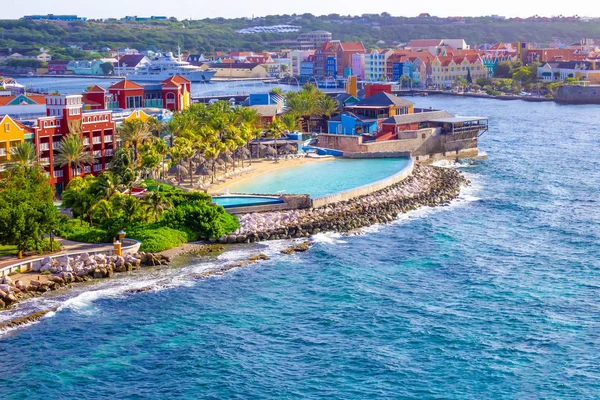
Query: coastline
(427,186)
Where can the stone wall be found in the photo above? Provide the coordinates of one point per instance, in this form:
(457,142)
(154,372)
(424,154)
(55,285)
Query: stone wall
(291,202)
(423,142)
(572,94)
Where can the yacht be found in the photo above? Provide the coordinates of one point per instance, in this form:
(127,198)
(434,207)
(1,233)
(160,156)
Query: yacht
(168,65)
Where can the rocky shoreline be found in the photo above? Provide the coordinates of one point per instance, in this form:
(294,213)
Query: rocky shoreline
(427,186)
(53,274)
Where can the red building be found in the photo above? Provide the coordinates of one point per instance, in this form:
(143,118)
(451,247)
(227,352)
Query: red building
(344,55)
(128,94)
(375,88)
(325,51)
(94,98)
(57,67)
(176,93)
(65,115)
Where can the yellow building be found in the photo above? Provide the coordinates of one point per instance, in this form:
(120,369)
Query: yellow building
(447,69)
(11,134)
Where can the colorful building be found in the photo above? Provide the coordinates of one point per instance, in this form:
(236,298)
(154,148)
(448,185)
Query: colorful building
(447,69)
(323,63)
(358,66)
(344,53)
(12,133)
(65,115)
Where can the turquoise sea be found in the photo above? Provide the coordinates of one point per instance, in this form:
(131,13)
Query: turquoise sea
(496,296)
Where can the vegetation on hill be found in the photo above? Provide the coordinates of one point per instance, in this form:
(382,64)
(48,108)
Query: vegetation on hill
(209,35)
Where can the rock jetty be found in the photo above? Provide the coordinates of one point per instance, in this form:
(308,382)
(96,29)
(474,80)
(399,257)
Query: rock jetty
(427,186)
(54,273)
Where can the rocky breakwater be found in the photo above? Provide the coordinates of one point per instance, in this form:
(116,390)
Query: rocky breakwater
(427,186)
(54,273)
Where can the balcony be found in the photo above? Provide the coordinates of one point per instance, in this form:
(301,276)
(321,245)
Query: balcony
(44,146)
(45,161)
(111,105)
(77,172)
(108,153)
(97,140)
(58,173)
(97,153)
(153,103)
(97,167)
(2,152)
(87,169)
(55,145)
(108,139)
(86,141)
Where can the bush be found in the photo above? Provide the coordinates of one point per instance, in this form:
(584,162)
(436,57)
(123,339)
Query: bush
(203,219)
(82,232)
(157,238)
(43,246)
(493,92)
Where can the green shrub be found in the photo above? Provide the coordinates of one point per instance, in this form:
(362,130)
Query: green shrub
(203,219)
(82,232)
(157,238)
(493,92)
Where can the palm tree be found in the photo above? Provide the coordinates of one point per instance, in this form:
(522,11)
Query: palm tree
(290,122)
(23,155)
(327,106)
(134,132)
(104,211)
(73,154)
(275,131)
(106,185)
(157,202)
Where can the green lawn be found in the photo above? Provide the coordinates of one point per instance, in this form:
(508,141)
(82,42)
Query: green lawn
(8,250)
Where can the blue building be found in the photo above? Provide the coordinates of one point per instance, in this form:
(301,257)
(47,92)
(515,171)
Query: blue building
(349,123)
(307,68)
(52,17)
(331,66)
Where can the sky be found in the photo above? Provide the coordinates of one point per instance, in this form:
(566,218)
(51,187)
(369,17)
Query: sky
(197,9)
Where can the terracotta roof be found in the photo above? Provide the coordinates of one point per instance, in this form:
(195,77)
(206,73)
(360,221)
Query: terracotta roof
(20,125)
(352,46)
(269,110)
(126,84)
(95,89)
(36,98)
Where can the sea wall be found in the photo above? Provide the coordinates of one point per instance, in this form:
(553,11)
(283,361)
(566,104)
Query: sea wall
(130,246)
(365,189)
(423,142)
(573,94)
(426,186)
(291,202)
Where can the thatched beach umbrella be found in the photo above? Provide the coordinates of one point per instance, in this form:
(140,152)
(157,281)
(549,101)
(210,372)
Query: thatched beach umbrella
(271,151)
(289,149)
(203,171)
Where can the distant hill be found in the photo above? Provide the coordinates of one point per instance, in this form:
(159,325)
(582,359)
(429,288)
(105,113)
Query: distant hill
(210,35)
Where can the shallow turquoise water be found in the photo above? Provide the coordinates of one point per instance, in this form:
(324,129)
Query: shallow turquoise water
(322,178)
(232,201)
(494,297)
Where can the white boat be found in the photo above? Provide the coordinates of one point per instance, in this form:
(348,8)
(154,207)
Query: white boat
(168,65)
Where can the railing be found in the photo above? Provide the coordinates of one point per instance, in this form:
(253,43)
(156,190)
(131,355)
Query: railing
(97,140)
(55,145)
(153,103)
(108,152)
(97,167)
(2,152)
(130,246)
(87,169)
(111,105)
(108,139)
(45,161)
(2,167)
(58,173)
(86,142)
(44,146)
(97,153)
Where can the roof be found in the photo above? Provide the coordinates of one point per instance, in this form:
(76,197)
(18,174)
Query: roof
(234,65)
(457,120)
(13,100)
(130,60)
(361,118)
(20,125)
(352,46)
(269,110)
(126,84)
(95,89)
(383,99)
(417,117)
(176,80)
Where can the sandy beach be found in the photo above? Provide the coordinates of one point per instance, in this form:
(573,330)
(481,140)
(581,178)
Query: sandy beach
(262,166)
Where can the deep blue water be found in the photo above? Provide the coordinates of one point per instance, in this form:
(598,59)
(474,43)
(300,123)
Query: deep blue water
(496,296)
(322,178)
(236,201)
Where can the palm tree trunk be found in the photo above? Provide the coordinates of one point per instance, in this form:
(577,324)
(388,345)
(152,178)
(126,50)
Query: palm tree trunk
(191,173)
(214,170)
(276,152)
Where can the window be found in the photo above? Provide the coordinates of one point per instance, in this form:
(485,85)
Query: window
(7,127)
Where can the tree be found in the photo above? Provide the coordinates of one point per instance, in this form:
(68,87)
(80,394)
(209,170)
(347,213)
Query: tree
(157,202)
(79,196)
(104,211)
(502,70)
(274,131)
(107,68)
(73,154)
(134,132)
(27,210)
(23,155)
(469,78)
